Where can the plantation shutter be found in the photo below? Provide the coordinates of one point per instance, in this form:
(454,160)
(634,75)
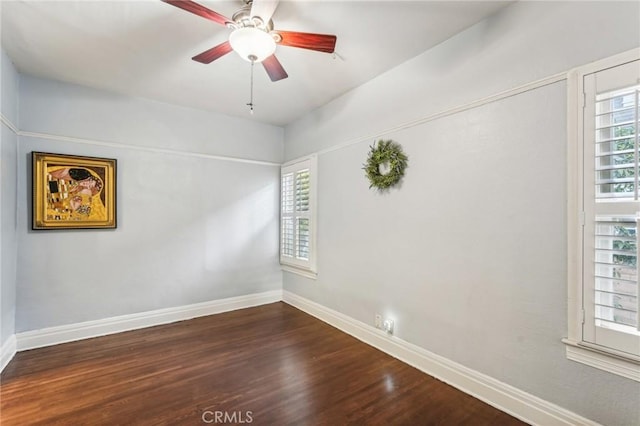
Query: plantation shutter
(296,236)
(287,228)
(302,192)
(611,208)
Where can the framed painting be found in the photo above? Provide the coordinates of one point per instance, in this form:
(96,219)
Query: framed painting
(73,192)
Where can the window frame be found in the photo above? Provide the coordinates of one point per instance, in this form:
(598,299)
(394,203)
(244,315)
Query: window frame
(306,268)
(577,349)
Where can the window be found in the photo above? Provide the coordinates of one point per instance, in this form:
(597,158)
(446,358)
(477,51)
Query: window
(297,216)
(604,301)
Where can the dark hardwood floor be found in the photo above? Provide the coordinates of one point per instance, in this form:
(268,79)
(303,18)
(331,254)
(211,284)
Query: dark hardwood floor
(269,365)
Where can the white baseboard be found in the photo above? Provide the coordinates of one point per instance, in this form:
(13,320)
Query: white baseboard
(507,398)
(85,330)
(8,351)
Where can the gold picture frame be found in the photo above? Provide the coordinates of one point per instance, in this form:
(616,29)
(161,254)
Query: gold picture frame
(73,192)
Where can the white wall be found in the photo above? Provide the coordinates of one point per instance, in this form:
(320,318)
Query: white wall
(191,227)
(74,111)
(469,254)
(8,161)
(525,42)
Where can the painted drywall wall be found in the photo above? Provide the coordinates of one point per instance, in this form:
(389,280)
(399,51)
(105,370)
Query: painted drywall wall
(469,254)
(75,111)
(525,42)
(9,88)
(191,228)
(8,164)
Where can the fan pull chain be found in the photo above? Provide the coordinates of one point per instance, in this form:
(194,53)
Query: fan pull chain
(253,62)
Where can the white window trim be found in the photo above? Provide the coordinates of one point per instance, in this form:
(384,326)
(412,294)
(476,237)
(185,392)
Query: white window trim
(310,269)
(609,360)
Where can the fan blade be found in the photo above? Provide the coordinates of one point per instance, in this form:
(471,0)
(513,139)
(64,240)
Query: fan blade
(263,9)
(199,10)
(274,68)
(214,53)
(320,42)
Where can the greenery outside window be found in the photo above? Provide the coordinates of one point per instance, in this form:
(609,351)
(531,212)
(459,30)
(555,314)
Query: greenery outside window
(604,209)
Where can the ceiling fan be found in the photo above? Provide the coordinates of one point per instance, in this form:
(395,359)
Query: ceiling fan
(253,36)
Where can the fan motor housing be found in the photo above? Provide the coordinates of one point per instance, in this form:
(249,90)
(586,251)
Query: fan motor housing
(242,19)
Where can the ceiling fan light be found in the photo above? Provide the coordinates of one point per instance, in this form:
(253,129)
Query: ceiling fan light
(250,42)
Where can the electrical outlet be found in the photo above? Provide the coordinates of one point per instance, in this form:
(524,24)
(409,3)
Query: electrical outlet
(387,325)
(378,322)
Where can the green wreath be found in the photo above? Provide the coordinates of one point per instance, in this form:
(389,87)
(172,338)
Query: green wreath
(385,153)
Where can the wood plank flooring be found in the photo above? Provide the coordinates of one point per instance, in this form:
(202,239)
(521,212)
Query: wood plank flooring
(268,365)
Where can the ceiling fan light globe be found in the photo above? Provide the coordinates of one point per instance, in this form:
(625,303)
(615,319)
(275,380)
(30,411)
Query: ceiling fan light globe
(250,42)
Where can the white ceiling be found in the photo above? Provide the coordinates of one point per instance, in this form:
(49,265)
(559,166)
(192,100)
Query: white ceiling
(144,48)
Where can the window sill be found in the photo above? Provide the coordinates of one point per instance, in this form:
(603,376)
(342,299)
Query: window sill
(299,271)
(603,360)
